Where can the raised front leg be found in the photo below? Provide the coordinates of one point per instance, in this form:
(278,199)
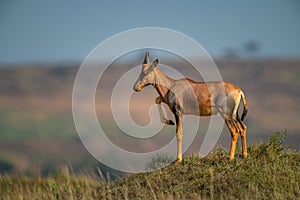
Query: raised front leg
(158,101)
(179,137)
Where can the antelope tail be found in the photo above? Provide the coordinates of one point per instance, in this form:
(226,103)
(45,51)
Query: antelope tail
(245,106)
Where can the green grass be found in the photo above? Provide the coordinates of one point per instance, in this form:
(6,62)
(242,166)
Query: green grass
(18,125)
(270,172)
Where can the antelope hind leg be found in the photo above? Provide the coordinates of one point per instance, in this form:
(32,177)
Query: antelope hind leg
(241,130)
(244,143)
(234,137)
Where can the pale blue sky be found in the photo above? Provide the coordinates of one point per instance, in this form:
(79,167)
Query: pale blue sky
(53,31)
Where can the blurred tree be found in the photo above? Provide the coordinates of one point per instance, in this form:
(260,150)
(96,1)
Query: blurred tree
(230,53)
(247,49)
(251,47)
(6,166)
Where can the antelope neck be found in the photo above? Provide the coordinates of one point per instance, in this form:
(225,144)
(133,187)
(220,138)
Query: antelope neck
(162,82)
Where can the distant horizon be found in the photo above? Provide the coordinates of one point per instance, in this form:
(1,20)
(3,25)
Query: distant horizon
(67,63)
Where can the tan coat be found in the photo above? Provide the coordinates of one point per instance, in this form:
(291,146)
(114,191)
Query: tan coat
(187,97)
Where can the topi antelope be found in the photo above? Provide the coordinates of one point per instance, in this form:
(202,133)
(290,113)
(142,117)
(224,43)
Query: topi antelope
(210,98)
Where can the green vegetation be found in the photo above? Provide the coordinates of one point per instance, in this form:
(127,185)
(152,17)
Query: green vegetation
(270,172)
(18,125)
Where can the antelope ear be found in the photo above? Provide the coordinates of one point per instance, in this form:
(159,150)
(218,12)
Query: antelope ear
(147,58)
(154,64)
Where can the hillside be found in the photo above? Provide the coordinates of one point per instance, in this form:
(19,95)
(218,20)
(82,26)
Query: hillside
(271,172)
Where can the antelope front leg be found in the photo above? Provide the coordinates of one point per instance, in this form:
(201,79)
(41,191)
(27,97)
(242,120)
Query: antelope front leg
(158,101)
(179,138)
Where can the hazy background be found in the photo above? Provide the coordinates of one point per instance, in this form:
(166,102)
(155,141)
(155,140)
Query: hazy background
(255,45)
(51,31)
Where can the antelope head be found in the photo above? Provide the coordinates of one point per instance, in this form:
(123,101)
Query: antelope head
(147,76)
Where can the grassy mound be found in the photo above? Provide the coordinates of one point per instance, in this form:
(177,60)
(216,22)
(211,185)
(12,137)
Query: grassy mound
(270,172)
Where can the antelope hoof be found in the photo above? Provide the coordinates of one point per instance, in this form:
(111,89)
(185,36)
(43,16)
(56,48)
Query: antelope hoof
(177,161)
(169,122)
